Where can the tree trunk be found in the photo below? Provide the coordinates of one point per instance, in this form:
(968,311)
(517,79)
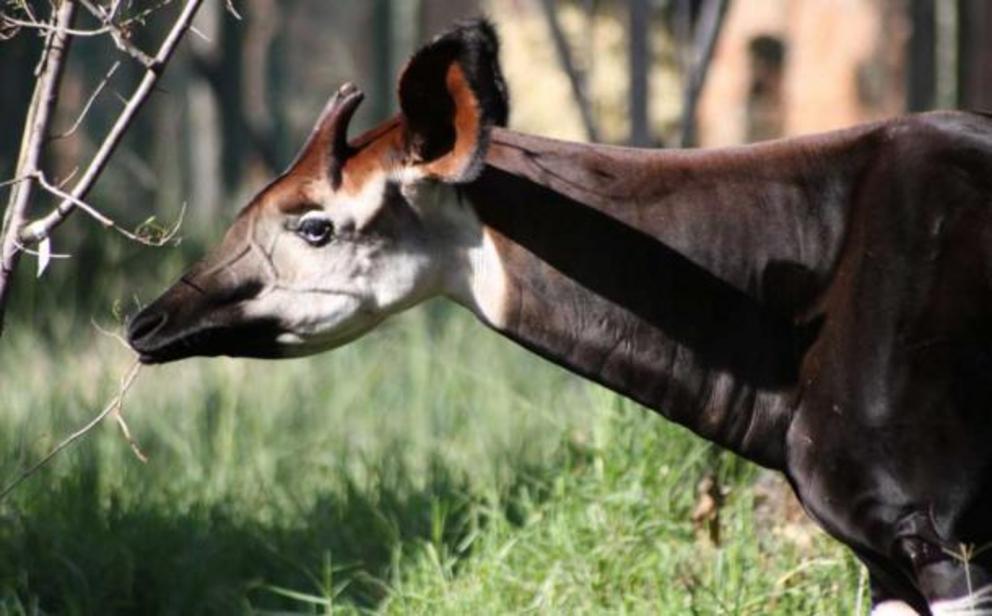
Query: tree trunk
(921,55)
(639,58)
(975,83)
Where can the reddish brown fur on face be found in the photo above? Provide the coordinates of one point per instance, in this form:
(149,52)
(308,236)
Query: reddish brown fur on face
(379,151)
(290,193)
(299,189)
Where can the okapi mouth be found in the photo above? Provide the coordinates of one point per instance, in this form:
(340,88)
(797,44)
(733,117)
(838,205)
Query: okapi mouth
(256,339)
(188,321)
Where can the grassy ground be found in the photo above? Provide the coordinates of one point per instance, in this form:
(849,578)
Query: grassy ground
(432,468)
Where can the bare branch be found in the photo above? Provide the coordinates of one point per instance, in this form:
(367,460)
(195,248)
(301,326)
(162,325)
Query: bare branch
(144,235)
(114,406)
(35,253)
(35,131)
(12,181)
(9,21)
(118,34)
(66,197)
(44,226)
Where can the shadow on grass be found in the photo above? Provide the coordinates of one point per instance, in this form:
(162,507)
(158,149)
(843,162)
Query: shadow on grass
(62,551)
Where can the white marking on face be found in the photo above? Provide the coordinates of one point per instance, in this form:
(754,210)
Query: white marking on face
(893,608)
(326,291)
(978,603)
(363,206)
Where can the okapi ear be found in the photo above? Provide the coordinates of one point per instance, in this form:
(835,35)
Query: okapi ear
(451,94)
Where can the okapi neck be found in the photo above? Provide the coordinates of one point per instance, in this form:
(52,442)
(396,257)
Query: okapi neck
(616,306)
(682,280)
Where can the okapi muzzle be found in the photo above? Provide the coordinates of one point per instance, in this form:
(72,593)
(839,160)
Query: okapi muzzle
(203,312)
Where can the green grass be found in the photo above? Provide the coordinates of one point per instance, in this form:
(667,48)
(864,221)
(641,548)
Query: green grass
(431,468)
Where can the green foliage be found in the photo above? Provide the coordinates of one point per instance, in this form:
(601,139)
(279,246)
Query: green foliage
(431,468)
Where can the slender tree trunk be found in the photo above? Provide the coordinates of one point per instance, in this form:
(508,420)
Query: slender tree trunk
(920,87)
(576,79)
(382,34)
(976,55)
(707,31)
(639,56)
(204,170)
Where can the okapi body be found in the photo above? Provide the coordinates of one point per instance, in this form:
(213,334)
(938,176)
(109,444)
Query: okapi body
(819,305)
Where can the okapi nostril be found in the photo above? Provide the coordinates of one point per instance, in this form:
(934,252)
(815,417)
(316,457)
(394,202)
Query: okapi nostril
(145,324)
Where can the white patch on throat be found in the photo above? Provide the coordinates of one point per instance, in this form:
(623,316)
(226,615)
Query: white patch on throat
(474,272)
(487,282)
(893,608)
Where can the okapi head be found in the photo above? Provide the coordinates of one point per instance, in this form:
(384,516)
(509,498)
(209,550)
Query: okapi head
(353,231)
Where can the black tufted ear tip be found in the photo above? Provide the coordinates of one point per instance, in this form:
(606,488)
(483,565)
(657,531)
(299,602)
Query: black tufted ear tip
(451,94)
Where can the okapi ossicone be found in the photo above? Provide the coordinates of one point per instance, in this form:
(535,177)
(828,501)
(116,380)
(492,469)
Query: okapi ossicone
(820,305)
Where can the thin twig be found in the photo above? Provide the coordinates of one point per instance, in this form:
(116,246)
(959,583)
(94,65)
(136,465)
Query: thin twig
(200,34)
(61,194)
(12,181)
(135,448)
(230,9)
(35,253)
(89,102)
(68,178)
(115,405)
(43,227)
(38,233)
(45,27)
(118,416)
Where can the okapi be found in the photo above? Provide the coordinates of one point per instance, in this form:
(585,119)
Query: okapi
(819,305)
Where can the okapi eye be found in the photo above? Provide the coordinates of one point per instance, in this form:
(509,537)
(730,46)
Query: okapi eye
(315,228)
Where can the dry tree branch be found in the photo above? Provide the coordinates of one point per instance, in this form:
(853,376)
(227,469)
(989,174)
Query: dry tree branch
(17,232)
(28,231)
(43,227)
(147,239)
(114,406)
(89,102)
(35,131)
(50,28)
(117,33)
(12,181)
(131,441)
(35,253)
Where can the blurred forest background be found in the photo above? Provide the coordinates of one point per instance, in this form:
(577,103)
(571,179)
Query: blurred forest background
(432,468)
(241,94)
